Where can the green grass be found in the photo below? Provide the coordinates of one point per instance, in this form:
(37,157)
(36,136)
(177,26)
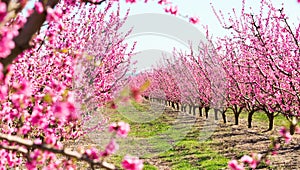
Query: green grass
(145,129)
(149,167)
(187,154)
(192,154)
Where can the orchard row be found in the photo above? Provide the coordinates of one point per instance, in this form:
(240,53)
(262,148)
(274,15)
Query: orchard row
(256,68)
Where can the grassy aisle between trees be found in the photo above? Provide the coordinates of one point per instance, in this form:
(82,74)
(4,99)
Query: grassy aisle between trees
(228,141)
(188,153)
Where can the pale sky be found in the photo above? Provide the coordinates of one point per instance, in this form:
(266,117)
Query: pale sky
(201,8)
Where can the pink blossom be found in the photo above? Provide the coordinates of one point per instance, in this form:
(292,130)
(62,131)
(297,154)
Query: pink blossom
(39,7)
(111,148)
(51,139)
(171,9)
(92,153)
(194,20)
(36,117)
(130,1)
(31,165)
(2,11)
(121,128)
(288,138)
(256,158)
(6,42)
(23,88)
(297,130)
(35,154)
(53,14)
(234,165)
(132,163)
(64,110)
(3,91)
(285,134)
(163,2)
(136,94)
(247,159)
(25,129)
(37,141)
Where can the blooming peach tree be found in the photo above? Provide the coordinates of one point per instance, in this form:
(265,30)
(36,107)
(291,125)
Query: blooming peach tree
(41,51)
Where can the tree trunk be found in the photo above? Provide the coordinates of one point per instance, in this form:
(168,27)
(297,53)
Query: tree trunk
(224,116)
(293,124)
(194,110)
(237,111)
(206,112)
(271,121)
(250,118)
(200,111)
(190,110)
(173,105)
(177,106)
(236,118)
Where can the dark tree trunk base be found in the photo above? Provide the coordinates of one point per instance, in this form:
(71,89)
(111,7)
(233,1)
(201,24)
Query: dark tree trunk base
(250,115)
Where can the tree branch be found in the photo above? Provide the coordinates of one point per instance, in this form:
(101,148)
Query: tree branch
(33,24)
(95,3)
(66,152)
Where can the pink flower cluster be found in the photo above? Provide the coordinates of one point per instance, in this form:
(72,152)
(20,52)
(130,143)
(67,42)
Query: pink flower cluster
(53,14)
(6,41)
(111,148)
(2,11)
(172,10)
(131,1)
(39,7)
(194,20)
(285,134)
(121,128)
(92,153)
(252,162)
(136,94)
(132,163)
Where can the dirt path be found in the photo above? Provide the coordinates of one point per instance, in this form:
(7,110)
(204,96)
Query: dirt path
(243,139)
(229,140)
(233,141)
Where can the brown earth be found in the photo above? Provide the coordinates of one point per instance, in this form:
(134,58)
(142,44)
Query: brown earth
(230,140)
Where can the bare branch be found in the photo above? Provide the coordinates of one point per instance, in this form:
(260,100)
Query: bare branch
(95,3)
(66,152)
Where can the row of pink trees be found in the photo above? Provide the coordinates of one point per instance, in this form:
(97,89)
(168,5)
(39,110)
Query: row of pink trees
(259,62)
(255,68)
(51,79)
(60,61)
(262,61)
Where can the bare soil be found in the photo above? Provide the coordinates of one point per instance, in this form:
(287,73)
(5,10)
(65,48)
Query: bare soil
(230,140)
